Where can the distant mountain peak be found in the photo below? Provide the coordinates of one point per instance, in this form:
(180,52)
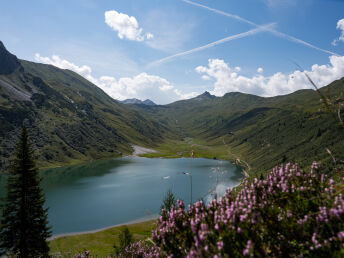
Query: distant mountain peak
(8,62)
(205,95)
(147,102)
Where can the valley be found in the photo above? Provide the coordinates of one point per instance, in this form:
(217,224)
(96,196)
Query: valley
(73,121)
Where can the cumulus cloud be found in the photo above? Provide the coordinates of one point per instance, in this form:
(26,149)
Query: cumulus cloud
(340,26)
(260,70)
(142,86)
(227,79)
(55,60)
(126,26)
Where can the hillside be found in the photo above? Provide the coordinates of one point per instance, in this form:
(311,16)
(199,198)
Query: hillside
(261,131)
(69,119)
(72,120)
(147,102)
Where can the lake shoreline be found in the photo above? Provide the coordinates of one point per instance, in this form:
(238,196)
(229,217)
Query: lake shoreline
(140,220)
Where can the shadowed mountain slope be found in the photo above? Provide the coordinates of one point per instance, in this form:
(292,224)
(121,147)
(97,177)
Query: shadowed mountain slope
(69,118)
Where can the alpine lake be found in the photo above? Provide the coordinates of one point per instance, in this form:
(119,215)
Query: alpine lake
(104,193)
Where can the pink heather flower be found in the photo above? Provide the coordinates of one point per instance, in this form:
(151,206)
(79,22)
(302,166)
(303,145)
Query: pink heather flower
(219,245)
(248,247)
(341,235)
(245,252)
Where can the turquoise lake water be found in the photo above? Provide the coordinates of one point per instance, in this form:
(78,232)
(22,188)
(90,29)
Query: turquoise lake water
(105,193)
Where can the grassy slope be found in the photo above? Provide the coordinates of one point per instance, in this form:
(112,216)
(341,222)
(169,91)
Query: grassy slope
(261,131)
(100,243)
(70,120)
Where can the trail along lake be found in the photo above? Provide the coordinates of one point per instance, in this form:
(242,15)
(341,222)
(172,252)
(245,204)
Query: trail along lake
(105,193)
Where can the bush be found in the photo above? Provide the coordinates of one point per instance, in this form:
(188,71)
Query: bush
(290,213)
(125,239)
(168,202)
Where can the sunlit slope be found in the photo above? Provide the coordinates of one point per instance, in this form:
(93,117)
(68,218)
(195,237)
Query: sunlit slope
(262,131)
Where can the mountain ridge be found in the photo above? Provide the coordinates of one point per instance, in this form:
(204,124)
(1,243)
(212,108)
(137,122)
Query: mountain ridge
(72,120)
(136,101)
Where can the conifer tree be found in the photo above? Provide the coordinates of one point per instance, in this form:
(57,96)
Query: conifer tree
(169,201)
(24,225)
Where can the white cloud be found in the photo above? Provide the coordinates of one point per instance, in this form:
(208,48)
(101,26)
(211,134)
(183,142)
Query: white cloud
(260,70)
(126,26)
(55,60)
(206,77)
(340,26)
(149,35)
(166,87)
(227,80)
(182,95)
(142,86)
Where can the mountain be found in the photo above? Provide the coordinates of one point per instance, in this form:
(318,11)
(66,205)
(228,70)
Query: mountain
(72,120)
(262,131)
(135,101)
(69,119)
(8,62)
(205,96)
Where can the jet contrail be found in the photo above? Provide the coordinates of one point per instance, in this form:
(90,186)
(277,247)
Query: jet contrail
(236,36)
(273,31)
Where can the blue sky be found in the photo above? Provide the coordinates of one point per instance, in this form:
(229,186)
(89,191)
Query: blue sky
(125,47)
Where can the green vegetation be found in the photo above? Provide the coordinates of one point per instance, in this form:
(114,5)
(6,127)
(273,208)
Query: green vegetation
(125,239)
(70,119)
(168,201)
(73,121)
(259,131)
(290,213)
(100,243)
(24,225)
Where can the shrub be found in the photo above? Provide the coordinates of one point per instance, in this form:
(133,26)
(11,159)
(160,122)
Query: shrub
(125,239)
(291,212)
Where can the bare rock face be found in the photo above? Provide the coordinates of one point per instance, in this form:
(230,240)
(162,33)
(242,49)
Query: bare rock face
(8,62)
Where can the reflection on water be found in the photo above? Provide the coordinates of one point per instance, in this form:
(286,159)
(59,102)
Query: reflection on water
(105,193)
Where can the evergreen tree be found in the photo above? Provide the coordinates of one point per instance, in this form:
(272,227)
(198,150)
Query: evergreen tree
(169,201)
(24,225)
(125,239)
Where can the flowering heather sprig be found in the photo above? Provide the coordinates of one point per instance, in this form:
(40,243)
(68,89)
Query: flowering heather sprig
(140,249)
(290,212)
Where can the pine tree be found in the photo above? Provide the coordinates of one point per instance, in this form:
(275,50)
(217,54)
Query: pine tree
(24,225)
(169,201)
(125,239)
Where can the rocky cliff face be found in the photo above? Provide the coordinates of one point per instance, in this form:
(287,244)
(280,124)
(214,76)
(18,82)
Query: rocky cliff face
(8,62)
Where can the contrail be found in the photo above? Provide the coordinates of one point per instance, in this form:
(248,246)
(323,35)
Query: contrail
(230,38)
(273,31)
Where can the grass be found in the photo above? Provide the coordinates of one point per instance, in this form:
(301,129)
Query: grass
(182,148)
(100,243)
